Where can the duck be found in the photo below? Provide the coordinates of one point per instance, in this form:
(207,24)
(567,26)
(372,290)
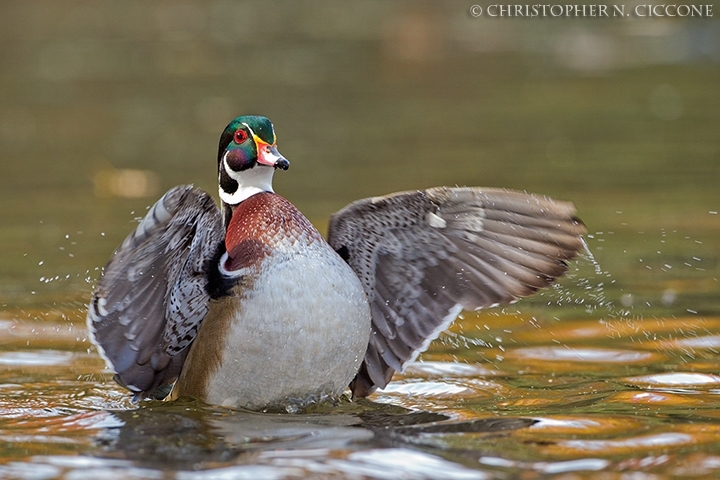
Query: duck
(247,305)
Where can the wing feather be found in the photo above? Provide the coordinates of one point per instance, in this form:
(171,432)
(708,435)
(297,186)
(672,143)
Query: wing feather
(153,293)
(423,256)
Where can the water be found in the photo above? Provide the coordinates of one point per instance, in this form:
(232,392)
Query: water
(611,373)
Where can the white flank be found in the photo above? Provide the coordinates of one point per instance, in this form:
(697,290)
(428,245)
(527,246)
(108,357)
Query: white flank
(299,332)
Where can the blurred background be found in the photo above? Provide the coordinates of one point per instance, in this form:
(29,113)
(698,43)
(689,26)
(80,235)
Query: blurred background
(105,105)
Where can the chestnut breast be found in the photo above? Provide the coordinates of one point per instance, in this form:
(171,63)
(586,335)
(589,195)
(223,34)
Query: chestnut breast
(262,224)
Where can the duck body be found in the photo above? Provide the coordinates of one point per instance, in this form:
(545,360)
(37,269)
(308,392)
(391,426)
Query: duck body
(295,323)
(247,305)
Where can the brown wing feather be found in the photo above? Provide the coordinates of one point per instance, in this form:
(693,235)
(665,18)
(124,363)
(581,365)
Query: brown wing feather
(152,295)
(424,256)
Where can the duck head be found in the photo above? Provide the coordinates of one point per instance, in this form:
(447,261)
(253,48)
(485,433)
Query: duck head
(247,159)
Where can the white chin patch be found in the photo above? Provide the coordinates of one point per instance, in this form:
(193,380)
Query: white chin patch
(255,180)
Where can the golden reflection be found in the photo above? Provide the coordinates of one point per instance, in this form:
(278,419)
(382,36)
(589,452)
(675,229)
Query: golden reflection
(125,182)
(665,441)
(584,426)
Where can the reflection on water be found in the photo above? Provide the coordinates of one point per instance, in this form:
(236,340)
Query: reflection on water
(540,412)
(613,371)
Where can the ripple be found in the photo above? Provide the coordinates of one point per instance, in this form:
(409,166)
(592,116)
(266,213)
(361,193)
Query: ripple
(242,472)
(92,420)
(668,439)
(35,358)
(579,465)
(393,463)
(590,355)
(639,329)
(582,464)
(655,398)
(675,379)
(33,470)
(390,464)
(56,439)
(709,341)
(432,389)
(575,425)
(453,369)
(566,422)
(79,461)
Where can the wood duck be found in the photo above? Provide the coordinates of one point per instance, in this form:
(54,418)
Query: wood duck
(248,306)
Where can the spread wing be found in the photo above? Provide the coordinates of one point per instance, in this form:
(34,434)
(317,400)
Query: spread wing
(152,295)
(424,256)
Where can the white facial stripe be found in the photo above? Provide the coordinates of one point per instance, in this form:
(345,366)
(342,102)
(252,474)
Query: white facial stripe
(253,133)
(231,173)
(254,137)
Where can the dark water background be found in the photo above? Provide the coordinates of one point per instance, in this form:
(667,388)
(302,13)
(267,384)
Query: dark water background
(105,105)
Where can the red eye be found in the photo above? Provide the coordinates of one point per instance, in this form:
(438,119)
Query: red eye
(241,136)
